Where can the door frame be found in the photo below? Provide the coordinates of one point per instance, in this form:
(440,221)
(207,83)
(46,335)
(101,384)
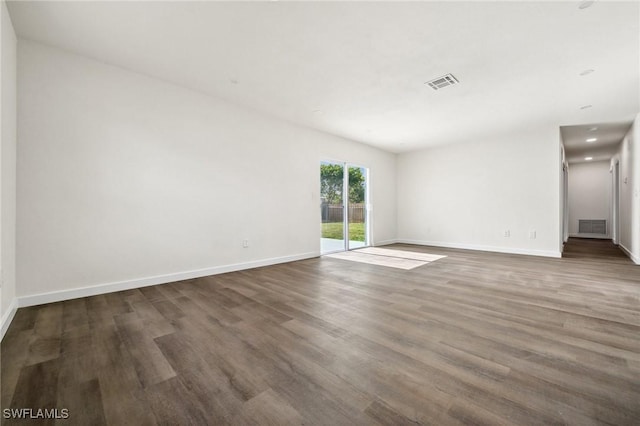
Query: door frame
(367,241)
(615,213)
(345,205)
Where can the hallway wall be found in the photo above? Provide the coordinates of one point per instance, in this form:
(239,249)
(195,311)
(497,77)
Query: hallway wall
(589,195)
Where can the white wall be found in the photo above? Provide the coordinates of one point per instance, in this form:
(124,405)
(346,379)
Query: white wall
(629,157)
(564,189)
(589,195)
(466,195)
(124,177)
(7,169)
(614,163)
(635,204)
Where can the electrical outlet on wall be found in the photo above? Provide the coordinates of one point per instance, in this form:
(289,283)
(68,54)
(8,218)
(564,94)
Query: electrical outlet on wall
(245,243)
(532,234)
(507,233)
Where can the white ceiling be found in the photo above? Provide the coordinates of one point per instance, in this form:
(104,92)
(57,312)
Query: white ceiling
(357,69)
(608,135)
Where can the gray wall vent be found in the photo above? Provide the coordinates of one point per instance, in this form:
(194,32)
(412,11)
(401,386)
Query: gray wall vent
(592,226)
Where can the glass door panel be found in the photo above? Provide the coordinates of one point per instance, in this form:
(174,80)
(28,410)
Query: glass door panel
(332,186)
(357,207)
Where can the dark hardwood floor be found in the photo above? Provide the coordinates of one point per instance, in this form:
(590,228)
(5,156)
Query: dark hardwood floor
(474,338)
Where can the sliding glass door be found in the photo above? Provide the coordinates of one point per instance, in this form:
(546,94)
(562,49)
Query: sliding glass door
(344,213)
(332,207)
(356,207)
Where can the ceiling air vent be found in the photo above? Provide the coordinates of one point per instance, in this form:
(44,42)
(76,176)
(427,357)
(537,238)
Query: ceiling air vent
(442,82)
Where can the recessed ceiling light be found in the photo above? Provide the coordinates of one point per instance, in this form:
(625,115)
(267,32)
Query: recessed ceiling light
(233,81)
(585,106)
(592,139)
(585,4)
(588,158)
(593,129)
(586,72)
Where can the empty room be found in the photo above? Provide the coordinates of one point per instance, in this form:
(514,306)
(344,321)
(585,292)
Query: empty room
(320,213)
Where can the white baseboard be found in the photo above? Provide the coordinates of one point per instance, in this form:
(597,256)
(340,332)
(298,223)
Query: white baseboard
(509,250)
(8,317)
(633,257)
(593,236)
(57,296)
(385,242)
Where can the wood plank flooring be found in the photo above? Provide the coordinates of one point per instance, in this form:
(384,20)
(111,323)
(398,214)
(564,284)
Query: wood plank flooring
(474,338)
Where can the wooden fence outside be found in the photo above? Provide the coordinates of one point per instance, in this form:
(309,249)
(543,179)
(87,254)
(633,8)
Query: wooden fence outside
(334,212)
